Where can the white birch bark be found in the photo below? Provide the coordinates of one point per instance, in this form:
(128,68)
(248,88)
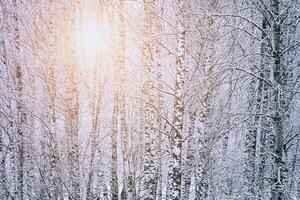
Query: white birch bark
(174,175)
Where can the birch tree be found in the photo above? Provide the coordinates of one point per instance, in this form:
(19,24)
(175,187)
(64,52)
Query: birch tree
(174,175)
(72,109)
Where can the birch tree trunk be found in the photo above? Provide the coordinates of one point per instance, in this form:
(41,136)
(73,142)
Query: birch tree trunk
(190,158)
(174,175)
(114,155)
(4,189)
(151,127)
(95,107)
(205,119)
(114,187)
(21,113)
(258,95)
(278,175)
(72,109)
(95,112)
(51,117)
(204,140)
(126,192)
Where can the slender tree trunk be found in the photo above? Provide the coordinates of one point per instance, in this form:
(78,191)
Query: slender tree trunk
(160,121)
(190,159)
(278,177)
(72,110)
(51,111)
(204,134)
(96,106)
(258,104)
(114,187)
(250,144)
(3,152)
(114,156)
(21,114)
(127,186)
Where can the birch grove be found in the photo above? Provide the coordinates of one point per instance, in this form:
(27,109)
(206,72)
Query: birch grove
(149,99)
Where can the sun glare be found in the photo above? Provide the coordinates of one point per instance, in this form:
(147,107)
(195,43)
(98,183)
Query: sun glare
(91,34)
(92,38)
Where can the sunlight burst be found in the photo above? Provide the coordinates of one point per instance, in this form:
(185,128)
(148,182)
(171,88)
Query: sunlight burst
(91,34)
(92,38)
